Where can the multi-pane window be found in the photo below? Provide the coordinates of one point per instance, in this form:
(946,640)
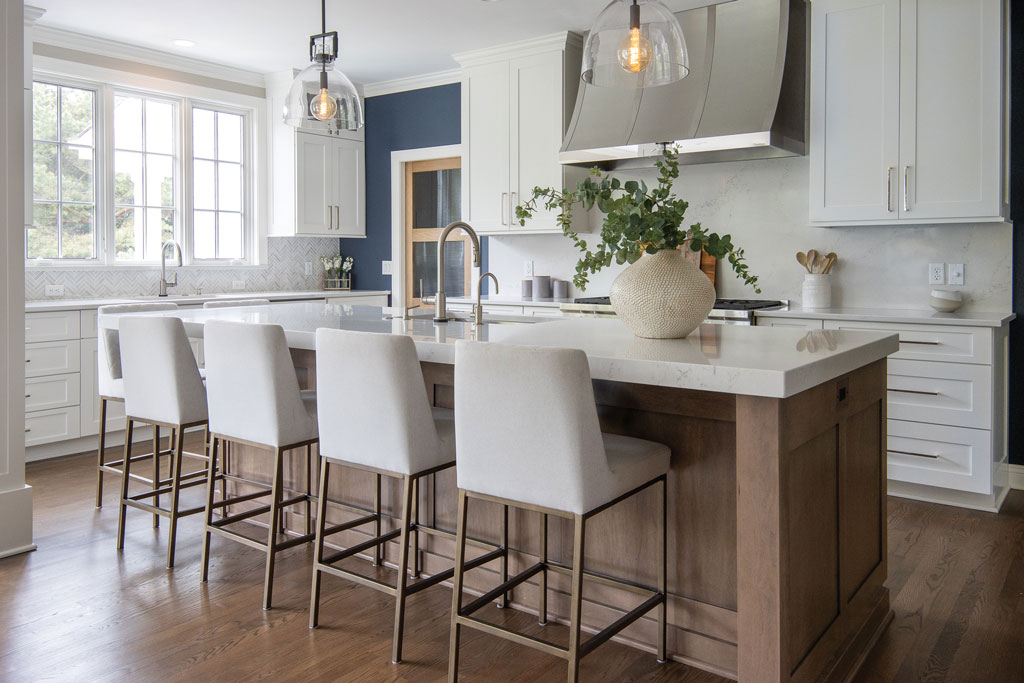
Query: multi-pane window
(64,173)
(118,172)
(217,184)
(144,176)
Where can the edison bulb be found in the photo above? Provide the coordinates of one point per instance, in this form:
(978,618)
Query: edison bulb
(635,52)
(323,107)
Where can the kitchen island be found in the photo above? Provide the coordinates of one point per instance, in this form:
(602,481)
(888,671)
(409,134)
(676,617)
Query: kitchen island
(776,521)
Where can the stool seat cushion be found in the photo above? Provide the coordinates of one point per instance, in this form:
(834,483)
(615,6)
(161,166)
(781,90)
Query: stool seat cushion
(632,462)
(114,387)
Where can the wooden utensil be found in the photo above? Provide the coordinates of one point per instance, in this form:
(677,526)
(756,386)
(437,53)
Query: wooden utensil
(812,256)
(830,261)
(801,258)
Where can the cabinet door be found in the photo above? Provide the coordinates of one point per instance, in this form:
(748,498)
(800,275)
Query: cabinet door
(90,408)
(535,131)
(485,130)
(313,159)
(855,52)
(950,109)
(348,188)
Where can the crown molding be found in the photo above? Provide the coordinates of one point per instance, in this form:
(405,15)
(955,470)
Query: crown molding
(62,38)
(521,48)
(412,83)
(32,14)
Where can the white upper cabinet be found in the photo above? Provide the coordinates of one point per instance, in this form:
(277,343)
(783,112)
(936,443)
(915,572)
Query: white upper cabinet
(516,104)
(907,111)
(319,185)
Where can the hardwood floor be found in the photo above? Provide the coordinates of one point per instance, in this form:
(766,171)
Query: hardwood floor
(77,610)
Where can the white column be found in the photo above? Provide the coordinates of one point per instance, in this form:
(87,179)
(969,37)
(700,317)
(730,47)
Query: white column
(15,112)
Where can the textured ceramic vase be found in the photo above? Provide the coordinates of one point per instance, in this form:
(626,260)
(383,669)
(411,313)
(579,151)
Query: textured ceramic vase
(663,296)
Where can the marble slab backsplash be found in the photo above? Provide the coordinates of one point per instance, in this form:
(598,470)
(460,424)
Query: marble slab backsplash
(285,271)
(764,206)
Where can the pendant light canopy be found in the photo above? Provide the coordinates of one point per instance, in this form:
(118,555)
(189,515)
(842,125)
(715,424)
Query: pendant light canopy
(635,44)
(321,93)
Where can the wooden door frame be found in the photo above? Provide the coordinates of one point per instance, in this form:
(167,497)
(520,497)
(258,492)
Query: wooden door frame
(399,159)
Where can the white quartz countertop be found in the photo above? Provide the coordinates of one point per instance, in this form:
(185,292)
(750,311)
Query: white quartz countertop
(925,316)
(191,300)
(498,300)
(759,361)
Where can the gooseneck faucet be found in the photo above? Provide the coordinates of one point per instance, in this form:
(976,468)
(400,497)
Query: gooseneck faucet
(441,308)
(164,284)
(478,308)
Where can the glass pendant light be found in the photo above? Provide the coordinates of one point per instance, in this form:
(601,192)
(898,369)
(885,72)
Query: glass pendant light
(320,93)
(635,44)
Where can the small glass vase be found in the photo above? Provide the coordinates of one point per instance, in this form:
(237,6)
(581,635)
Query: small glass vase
(342,283)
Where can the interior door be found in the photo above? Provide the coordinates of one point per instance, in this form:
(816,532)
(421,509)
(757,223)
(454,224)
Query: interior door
(855,110)
(433,199)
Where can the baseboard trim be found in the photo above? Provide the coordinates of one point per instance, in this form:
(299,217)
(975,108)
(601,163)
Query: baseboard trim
(18,551)
(1017,477)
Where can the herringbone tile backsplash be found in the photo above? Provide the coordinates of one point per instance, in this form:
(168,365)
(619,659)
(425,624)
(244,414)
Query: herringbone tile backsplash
(284,272)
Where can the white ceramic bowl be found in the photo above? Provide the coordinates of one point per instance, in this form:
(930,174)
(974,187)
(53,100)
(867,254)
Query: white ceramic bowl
(945,301)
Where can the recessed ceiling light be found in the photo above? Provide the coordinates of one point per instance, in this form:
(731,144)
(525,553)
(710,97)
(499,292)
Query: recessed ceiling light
(181,42)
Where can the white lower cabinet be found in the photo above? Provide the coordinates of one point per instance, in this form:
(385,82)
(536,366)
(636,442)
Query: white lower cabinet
(56,391)
(802,323)
(90,408)
(941,456)
(46,426)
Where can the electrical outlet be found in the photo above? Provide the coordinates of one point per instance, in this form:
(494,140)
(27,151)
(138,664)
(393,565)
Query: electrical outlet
(956,273)
(54,290)
(527,268)
(936,273)
(385,268)
(309,267)
(238,284)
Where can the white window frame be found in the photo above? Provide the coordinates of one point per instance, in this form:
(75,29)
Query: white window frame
(106,82)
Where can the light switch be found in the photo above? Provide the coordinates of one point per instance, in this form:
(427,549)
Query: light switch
(238,284)
(936,273)
(527,268)
(385,268)
(956,273)
(309,267)
(54,290)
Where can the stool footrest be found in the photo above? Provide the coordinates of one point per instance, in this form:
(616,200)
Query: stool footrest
(235,536)
(622,622)
(520,638)
(501,589)
(292,542)
(365,545)
(351,524)
(431,580)
(367,581)
(167,489)
(621,584)
(223,521)
(163,512)
(241,499)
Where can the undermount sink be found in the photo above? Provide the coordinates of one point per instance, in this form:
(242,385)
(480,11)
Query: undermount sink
(466,317)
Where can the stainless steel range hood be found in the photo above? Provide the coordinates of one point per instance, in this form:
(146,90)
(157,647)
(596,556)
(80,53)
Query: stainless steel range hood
(745,96)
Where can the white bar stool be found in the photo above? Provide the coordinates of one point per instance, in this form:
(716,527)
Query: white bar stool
(255,400)
(528,435)
(162,387)
(236,303)
(388,429)
(111,388)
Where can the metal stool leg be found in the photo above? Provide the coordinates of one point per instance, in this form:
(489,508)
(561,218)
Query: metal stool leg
(210,480)
(100,451)
(125,478)
(663,572)
(576,601)
(505,597)
(542,609)
(309,489)
(415,515)
(378,550)
(460,558)
(156,472)
(318,552)
(275,520)
(175,490)
(403,569)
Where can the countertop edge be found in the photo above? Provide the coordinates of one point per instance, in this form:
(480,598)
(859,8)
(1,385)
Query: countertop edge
(967,319)
(56,305)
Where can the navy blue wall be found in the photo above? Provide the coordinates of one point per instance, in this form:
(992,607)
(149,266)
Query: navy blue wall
(428,117)
(1016,424)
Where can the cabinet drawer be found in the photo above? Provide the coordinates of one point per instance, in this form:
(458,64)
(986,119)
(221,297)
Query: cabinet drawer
(802,323)
(89,324)
(55,391)
(502,309)
(932,342)
(940,393)
(53,326)
(46,426)
(52,358)
(936,455)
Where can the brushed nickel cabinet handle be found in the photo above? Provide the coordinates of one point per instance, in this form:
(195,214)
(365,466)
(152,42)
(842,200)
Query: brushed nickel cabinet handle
(888,189)
(511,209)
(504,198)
(27,430)
(911,391)
(337,220)
(923,343)
(916,455)
(906,188)
(330,217)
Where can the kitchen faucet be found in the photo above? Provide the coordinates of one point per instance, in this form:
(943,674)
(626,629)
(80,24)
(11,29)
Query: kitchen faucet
(441,308)
(164,284)
(478,309)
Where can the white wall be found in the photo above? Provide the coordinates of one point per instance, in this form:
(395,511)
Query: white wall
(15,496)
(763,204)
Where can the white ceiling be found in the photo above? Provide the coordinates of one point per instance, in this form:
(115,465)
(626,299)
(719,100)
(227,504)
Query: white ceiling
(380,39)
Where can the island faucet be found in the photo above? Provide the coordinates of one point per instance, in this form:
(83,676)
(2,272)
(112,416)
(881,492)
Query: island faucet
(441,308)
(478,309)
(164,284)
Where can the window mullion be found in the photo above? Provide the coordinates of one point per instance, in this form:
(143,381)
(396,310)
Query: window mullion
(185,188)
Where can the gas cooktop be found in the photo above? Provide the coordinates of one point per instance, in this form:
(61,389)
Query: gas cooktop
(720,304)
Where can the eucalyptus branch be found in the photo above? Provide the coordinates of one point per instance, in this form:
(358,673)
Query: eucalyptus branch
(638,220)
